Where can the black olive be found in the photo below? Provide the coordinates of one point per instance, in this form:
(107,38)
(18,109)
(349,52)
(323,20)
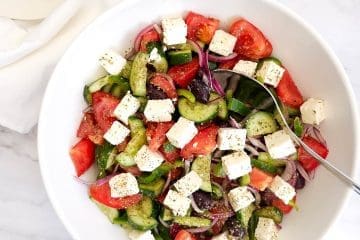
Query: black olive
(234,227)
(200,89)
(300,182)
(267,197)
(202,199)
(154,92)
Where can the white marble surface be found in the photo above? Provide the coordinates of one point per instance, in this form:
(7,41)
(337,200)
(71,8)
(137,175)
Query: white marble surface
(26,212)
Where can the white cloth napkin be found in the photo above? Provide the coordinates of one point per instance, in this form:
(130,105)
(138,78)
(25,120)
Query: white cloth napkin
(28,56)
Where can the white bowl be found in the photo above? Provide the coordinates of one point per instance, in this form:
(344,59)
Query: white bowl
(315,68)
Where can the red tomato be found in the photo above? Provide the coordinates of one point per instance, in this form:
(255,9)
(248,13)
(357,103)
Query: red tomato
(155,133)
(164,84)
(184,235)
(183,74)
(176,173)
(200,27)
(251,43)
(82,155)
(259,179)
(89,129)
(150,36)
(219,209)
(288,92)
(308,162)
(104,105)
(102,194)
(285,209)
(170,153)
(202,144)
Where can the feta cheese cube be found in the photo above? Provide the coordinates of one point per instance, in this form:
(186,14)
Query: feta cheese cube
(181,132)
(140,235)
(240,198)
(112,62)
(282,189)
(236,164)
(127,107)
(231,138)
(174,31)
(122,185)
(270,73)
(147,160)
(116,133)
(159,110)
(246,67)
(279,144)
(313,111)
(154,55)
(266,229)
(188,184)
(222,43)
(221,236)
(178,203)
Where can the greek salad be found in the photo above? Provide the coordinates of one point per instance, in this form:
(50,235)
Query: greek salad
(181,156)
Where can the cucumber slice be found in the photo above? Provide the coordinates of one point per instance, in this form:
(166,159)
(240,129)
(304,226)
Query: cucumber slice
(252,224)
(126,71)
(139,215)
(141,223)
(197,112)
(143,102)
(104,157)
(152,189)
(164,232)
(186,94)
(218,170)
(192,221)
(223,110)
(160,171)
(260,123)
(265,157)
(243,215)
(107,88)
(266,166)
(87,95)
(111,213)
(201,166)
(216,192)
(161,65)
(122,220)
(245,180)
(179,56)
(237,106)
(167,215)
(139,74)
(270,212)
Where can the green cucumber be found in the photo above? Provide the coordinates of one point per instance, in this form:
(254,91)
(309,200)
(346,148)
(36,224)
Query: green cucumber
(120,89)
(270,59)
(178,57)
(192,221)
(237,106)
(107,88)
(126,71)
(122,220)
(270,212)
(298,127)
(244,180)
(160,65)
(139,215)
(201,165)
(87,95)
(167,214)
(138,74)
(151,45)
(197,112)
(104,157)
(160,171)
(186,94)
(221,102)
(243,215)
(218,170)
(266,166)
(152,189)
(265,157)
(164,232)
(252,224)
(216,192)
(107,82)
(110,213)
(260,123)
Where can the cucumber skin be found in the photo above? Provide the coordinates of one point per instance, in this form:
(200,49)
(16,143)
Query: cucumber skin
(260,123)
(222,106)
(270,212)
(102,156)
(197,112)
(201,166)
(156,174)
(139,74)
(139,215)
(193,221)
(244,215)
(153,189)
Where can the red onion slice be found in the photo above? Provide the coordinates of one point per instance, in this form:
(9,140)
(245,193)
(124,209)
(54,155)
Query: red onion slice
(319,137)
(234,123)
(215,58)
(256,194)
(257,143)
(187,166)
(302,171)
(138,37)
(167,183)
(289,171)
(252,150)
(163,222)
(196,48)
(158,29)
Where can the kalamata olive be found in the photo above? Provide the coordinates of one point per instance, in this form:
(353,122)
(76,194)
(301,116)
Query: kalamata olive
(234,227)
(174,229)
(154,92)
(300,182)
(200,90)
(202,199)
(267,197)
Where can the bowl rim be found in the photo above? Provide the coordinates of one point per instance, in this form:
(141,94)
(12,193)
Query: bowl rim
(122,6)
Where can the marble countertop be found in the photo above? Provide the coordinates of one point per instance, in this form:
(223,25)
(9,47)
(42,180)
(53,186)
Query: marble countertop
(26,212)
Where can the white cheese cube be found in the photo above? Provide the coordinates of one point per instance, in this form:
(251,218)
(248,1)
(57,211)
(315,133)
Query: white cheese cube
(112,62)
(236,164)
(313,111)
(266,229)
(240,198)
(188,184)
(222,43)
(116,133)
(279,144)
(178,203)
(282,189)
(140,235)
(181,132)
(159,110)
(127,107)
(122,185)
(147,160)
(174,31)
(270,73)
(246,67)
(231,138)
(221,236)
(154,55)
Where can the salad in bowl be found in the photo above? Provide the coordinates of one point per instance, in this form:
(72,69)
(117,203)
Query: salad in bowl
(181,156)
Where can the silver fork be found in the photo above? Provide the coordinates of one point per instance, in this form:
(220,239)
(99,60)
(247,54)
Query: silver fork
(337,172)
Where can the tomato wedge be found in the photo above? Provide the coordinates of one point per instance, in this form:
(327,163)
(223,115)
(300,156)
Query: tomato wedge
(82,155)
(200,27)
(259,179)
(184,235)
(155,133)
(150,36)
(288,92)
(308,162)
(184,73)
(278,203)
(104,105)
(164,84)
(102,194)
(202,144)
(89,129)
(251,42)
(170,153)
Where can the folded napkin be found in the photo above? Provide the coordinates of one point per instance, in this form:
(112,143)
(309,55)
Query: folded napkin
(29,53)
